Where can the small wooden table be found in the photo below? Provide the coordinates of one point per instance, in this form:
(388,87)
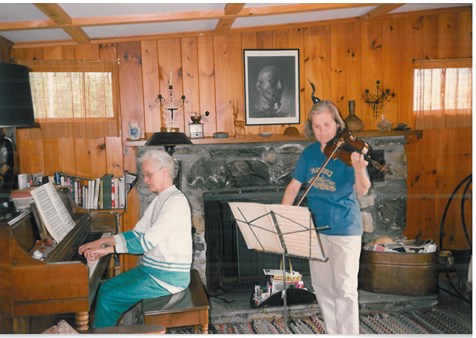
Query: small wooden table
(186,308)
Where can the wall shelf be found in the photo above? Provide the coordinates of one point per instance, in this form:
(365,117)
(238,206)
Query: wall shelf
(411,136)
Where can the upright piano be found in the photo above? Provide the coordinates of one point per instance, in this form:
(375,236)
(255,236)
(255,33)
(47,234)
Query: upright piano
(37,282)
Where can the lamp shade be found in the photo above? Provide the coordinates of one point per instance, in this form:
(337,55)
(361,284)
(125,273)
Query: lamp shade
(16,105)
(168,139)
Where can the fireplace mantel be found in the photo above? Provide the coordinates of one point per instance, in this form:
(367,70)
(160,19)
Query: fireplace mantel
(411,136)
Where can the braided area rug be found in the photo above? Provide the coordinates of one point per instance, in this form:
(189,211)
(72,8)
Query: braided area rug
(438,320)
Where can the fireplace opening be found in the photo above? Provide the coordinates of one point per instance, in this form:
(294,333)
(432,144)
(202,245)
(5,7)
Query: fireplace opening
(376,175)
(230,264)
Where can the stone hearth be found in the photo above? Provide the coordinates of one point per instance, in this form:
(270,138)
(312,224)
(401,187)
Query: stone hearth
(251,167)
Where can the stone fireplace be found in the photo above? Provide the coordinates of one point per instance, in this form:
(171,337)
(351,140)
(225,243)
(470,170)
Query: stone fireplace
(213,174)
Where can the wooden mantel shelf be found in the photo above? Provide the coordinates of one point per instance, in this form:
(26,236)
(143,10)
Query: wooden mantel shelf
(411,136)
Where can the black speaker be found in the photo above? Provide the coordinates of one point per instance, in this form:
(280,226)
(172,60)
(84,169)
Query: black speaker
(16,105)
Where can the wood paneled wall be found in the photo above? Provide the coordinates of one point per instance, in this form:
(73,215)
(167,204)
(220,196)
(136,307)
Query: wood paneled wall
(341,58)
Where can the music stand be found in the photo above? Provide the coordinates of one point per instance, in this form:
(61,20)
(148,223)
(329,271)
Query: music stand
(279,229)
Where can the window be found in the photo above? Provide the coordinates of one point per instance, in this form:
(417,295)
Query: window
(72,94)
(75,98)
(442,93)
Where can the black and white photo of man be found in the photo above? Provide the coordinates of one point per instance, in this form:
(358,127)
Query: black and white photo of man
(271,84)
(270,89)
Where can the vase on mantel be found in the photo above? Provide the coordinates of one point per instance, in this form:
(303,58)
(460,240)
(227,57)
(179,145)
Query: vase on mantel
(384,124)
(352,121)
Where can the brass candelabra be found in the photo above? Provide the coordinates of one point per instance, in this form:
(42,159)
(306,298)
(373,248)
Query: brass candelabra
(173,105)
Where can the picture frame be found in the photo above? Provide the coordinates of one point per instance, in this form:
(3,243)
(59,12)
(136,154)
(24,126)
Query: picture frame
(271,86)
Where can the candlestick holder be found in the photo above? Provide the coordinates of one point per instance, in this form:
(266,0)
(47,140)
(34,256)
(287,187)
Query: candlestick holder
(170,107)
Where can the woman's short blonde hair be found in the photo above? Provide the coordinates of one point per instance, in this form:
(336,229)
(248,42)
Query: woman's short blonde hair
(317,109)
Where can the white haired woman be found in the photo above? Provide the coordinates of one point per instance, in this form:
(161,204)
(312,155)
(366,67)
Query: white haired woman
(163,236)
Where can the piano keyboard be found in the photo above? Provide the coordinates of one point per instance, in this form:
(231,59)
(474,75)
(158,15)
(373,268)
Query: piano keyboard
(92,265)
(92,236)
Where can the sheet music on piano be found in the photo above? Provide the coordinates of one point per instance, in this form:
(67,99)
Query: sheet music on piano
(53,212)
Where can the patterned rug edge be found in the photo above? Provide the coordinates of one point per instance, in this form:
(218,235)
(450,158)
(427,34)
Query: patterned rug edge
(426,321)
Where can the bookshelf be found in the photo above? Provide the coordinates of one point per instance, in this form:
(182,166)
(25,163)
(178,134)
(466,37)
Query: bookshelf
(101,193)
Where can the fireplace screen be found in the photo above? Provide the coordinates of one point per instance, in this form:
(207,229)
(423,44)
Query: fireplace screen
(230,264)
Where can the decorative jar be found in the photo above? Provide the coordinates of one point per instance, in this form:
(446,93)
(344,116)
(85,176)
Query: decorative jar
(352,121)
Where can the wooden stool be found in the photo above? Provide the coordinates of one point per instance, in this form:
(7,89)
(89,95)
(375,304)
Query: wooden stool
(130,329)
(186,308)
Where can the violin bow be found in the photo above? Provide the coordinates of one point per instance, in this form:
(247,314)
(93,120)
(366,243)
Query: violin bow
(340,142)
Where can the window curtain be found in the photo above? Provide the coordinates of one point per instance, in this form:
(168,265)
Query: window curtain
(442,93)
(64,112)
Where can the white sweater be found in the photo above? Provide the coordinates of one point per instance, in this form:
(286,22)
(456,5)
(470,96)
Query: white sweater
(163,235)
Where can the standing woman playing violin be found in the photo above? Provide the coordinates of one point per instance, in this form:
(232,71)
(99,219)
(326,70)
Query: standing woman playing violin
(333,202)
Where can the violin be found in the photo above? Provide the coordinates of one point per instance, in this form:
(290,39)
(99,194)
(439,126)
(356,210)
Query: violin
(345,144)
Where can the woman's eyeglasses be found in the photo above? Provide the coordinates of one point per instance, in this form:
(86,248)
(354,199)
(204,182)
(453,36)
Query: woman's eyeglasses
(149,175)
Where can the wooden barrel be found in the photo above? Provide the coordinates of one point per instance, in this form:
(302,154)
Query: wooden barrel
(412,274)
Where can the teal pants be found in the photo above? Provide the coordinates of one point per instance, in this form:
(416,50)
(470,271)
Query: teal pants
(120,293)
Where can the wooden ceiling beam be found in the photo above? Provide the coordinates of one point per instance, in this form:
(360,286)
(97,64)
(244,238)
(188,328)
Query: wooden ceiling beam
(381,10)
(57,14)
(298,8)
(27,24)
(225,24)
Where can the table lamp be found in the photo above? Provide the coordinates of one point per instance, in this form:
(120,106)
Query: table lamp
(169,140)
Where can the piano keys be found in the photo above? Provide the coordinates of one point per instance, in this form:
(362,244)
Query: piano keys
(57,283)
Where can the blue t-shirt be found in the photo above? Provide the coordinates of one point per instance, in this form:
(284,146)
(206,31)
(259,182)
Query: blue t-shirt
(332,200)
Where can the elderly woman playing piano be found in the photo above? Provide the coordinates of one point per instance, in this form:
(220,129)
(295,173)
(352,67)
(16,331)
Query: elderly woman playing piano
(163,236)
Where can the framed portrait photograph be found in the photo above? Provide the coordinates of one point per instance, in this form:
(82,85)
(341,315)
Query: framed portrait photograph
(271,86)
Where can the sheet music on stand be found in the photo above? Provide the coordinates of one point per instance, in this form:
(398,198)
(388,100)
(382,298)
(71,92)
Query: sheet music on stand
(277,228)
(281,229)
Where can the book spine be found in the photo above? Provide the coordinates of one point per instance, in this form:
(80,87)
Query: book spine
(107,191)
(122,193)
(113,194)
(116,193)
(101,194)
(97,183)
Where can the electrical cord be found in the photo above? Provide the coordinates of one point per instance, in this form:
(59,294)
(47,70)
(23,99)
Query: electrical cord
(457,295)
(468,180)
(466,234)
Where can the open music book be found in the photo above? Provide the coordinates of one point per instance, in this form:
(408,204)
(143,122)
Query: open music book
(277,228)
(53,212)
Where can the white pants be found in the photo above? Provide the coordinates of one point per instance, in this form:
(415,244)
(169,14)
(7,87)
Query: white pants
(335,283)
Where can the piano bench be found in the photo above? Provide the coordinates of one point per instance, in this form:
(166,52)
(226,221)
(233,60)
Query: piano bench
(186,308)
(130,329)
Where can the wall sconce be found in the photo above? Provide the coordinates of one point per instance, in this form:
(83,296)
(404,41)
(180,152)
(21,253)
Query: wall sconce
(377,101)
